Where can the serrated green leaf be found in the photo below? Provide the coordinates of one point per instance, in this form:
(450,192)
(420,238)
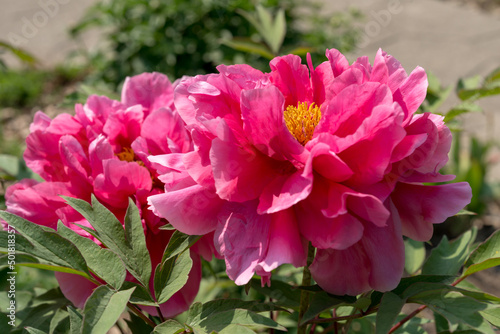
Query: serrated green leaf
(49,246)
(169,327)
(75,321)
(103,262)
(414,255)
(487,250)
(388,311)
(448,257)
(111,233)
(103,308)
(320,302)
(178,243)
(171,276)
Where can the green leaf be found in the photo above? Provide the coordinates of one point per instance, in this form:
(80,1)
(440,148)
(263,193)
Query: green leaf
(441,323)
(320,302)
(490,263)
(462,108)
(247,45)
(492,315)
(32,330)
(103,308)
(219,314)
(178,243)
(9,164)
(414,255)
(489,249)
(217,321)
(136,324)
(46,245)
(59,322)
(103,262)
(130,246)
(140,295)
(448,257)
(169,327)
(493,76)
(282,293)
(171,276)
(24,56)
(75,321)
(390,307)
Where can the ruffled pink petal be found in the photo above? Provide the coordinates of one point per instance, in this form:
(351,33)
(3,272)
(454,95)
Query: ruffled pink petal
(411,93)
(164,132)
(119,180)
(327,163)
(192,210)
(292,79)
(264,125)
(338,61)
(387,70)
(286,244)
(151,90)
(340,230)
(285,191)
(242,237)
(234,179)
(99,150)
(123,127)
(244,75)
(74,159)
(76,288)
(37,202)
(375,262)
(421,206)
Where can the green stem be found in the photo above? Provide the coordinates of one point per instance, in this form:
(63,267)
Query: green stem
(141,315)
(304,295)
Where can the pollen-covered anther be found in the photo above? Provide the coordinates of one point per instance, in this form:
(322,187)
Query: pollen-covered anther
(302,120)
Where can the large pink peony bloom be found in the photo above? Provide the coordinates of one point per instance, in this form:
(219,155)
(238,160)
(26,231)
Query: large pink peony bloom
(103,150)
(334,155)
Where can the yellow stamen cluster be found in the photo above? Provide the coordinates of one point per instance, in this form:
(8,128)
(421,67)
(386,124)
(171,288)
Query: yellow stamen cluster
(126,155)
(302,120)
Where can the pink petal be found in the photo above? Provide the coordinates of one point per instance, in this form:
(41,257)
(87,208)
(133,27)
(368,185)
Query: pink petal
(76,288)
(338,61)
(123,127)
(412,91)
(264,126)
(242,237)
(240,173)
(192,210)
(285,191)
(328,164)
(386,69)
(421,206)
(375,262)
(74,158)
(292,79)
(151,90)
(99,150)
(286,244)
(244,75)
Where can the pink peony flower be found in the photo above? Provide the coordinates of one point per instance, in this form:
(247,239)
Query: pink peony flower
(103,150)
(333,155)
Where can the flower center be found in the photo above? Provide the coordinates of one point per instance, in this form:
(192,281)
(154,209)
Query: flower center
(126,155)
(302,120)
